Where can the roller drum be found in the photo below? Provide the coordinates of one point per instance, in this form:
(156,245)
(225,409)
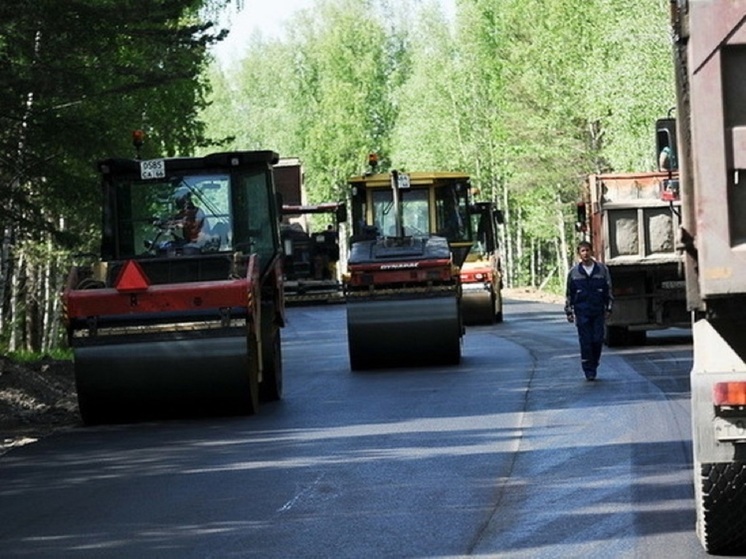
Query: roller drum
(176,377)
(478,307)
(403,332)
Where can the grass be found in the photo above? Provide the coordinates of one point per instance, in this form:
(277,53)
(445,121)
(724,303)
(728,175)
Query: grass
(58,354)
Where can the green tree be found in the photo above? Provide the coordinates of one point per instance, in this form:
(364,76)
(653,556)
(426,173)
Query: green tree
(77,78)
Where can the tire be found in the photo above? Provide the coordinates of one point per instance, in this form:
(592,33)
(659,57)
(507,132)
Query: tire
(251,403)
(637,337)
(499,309)
(721,507)
(492,310)
(616,336)
(271,386)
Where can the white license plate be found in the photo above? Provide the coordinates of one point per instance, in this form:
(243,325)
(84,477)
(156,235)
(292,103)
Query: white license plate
(730,428)
(678,284)
(152,169)
(476,286)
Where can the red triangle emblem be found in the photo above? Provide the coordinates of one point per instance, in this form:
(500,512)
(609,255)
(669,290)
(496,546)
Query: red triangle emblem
(132,278)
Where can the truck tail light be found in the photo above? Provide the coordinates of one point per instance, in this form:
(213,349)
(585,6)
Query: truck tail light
(729,394)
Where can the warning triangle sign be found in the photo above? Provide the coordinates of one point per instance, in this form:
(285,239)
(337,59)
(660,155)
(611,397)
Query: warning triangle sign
(132,278)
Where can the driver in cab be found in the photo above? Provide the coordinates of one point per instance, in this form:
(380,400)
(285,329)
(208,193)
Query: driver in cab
(189,217)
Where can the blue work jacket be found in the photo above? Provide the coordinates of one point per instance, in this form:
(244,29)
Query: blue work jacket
(588,294)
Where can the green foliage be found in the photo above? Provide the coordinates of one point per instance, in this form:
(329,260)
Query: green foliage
(76,77)
(30,357)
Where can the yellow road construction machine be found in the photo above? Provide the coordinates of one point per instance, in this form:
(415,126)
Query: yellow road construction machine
(410,234)
(481,272)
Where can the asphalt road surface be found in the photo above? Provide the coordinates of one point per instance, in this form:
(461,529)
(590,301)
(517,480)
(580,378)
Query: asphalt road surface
(511,454)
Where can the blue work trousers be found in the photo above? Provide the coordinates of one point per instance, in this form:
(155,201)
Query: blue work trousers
(591,336)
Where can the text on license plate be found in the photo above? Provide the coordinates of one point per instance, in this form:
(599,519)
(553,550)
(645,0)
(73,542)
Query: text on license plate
(730,429)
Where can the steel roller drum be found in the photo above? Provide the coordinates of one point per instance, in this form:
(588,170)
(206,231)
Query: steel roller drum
(477,307)
(184,377)
(403,332)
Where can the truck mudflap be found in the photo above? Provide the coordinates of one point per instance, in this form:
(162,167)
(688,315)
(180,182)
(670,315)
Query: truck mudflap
(121,380)
(401,331)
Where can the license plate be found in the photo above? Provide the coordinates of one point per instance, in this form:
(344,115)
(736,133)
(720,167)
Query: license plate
(679,284)
(152,169)
(476,286)
(730,428)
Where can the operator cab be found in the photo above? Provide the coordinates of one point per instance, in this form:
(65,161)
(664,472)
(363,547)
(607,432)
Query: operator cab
(209,208)
(428,204)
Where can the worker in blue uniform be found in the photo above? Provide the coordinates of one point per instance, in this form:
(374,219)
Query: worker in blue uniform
(588,304)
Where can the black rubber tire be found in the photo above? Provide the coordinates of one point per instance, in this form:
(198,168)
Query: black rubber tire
(721,507)
(637,337)
(493,309)
(271,385)
(499,309)
(616,336)
(252,402)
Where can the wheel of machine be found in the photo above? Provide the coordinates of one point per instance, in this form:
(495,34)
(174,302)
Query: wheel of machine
(636,337)
(271,386)
(498,308)
(90,413)
(616,336)
(721,507)
(252,402)
(356,361)
(93,409)
(402,332)
(492,308)
(452,354)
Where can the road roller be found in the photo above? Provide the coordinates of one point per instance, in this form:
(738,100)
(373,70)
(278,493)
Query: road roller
(481,272)
(180,314)
(410,235)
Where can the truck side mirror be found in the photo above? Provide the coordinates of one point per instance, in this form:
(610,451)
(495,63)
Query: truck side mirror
(665,139)
(581,218)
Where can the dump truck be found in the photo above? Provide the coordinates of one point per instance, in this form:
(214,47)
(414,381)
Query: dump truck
(481,272)
(410,234)
(710,64)
(633,225)
(180,314)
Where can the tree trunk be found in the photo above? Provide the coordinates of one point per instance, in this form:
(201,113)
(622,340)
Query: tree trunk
(31,314)
(563,252)
(16,304)
(5,271)
(505,239)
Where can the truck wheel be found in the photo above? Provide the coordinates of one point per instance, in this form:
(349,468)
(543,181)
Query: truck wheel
(616,336)
(636,337)
(721,507)
(271,387)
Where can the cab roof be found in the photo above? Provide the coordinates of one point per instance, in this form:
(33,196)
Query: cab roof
(419,178)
